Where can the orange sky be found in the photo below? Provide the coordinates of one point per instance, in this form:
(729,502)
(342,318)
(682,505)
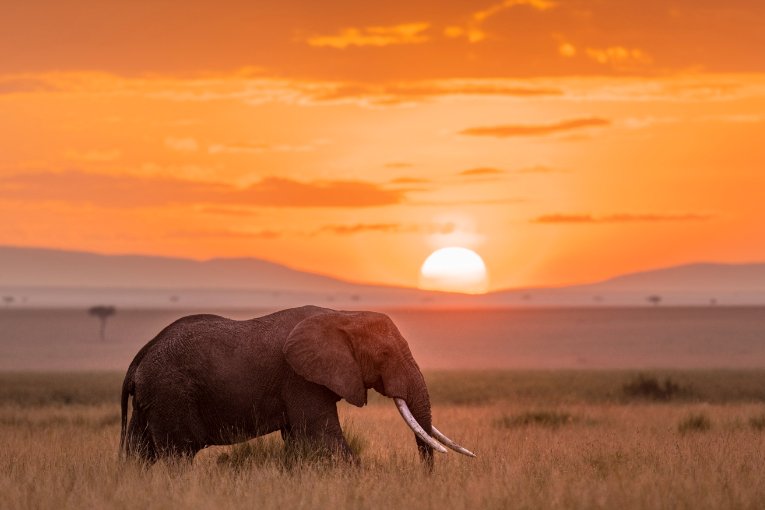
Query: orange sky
(563,141)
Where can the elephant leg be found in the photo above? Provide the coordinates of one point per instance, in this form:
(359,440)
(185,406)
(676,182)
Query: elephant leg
(177,431)
(313,420)
(286,432)
(172,442)
(139,441)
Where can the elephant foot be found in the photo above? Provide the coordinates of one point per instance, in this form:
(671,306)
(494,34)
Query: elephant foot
(305,449)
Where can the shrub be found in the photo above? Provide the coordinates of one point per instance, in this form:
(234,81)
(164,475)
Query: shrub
(757,422)
(650,387)
(695,423)
(551,419)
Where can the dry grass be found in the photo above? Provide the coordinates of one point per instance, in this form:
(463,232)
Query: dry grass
(586,452)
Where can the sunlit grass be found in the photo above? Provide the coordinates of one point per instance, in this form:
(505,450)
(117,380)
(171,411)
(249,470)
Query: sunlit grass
(583,451)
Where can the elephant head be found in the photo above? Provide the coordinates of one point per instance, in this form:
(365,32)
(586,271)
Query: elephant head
(349,352)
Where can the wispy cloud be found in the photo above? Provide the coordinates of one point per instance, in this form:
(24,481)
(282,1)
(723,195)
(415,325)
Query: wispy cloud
(473,29)
(397,93)
(182,144)
(619,57)
(620,218)
(20,84)
(259,147)
(536,169)
(132,191)
(510,130)
(237,148)
(540,5)
(406,33)
(409,180)
(226,234)
(226,211)
(481,172)
(398,164)
(453,203)
(359,228)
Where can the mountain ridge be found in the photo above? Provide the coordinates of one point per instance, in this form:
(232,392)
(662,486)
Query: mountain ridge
(51,276)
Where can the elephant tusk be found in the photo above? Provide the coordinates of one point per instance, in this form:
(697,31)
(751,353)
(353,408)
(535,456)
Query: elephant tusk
(406,414)
(451,444)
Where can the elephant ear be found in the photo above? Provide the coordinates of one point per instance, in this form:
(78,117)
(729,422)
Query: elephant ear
(319,350)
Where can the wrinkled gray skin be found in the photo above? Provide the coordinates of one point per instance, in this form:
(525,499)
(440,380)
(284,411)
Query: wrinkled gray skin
(207,380)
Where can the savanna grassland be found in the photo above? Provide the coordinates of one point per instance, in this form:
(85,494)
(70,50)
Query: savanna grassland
(563,439)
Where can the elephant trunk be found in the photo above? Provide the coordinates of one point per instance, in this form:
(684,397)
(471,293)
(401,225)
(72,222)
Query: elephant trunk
(420,407)
(415,409)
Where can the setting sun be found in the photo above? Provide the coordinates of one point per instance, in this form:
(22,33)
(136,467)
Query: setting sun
(454,269)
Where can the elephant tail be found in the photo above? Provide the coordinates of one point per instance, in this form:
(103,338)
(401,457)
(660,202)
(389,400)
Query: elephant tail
(128,388)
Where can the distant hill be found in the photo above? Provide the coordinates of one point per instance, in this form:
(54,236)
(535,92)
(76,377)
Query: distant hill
(692,277)
(691,284)
(46,277)
(36,267)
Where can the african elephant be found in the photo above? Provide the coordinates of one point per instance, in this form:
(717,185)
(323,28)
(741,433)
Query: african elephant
(207,380)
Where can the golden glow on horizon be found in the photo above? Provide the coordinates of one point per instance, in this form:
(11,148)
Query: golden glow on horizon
(454,269)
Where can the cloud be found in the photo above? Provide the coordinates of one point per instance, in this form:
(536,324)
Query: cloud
(453,203)
(536,169)
(280,192)
(505,131)
(398,164)
(132,191)
(409,180)
(182,144)
(258,147)
(539,5)
(744,118)
(237,148)
(482,171)
(397,93)
(407,33)
(226,234)
(619,218)
(566,49)
(358,228)
(21,84)
(619,57)
(647,121)
(473,31)
(226,211)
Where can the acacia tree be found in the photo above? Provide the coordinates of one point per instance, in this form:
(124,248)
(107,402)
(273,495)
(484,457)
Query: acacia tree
(654,299)
(103,312)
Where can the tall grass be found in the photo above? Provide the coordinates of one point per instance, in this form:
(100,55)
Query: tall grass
(585,453)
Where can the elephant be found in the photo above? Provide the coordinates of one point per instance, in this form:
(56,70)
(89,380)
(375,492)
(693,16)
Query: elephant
(207,380)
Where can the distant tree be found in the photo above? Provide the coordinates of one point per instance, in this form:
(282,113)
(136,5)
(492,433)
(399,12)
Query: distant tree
(713,302)
(102,312)
(8,300)
(654,299)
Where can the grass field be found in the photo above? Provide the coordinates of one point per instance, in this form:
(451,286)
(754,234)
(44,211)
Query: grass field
(566,439)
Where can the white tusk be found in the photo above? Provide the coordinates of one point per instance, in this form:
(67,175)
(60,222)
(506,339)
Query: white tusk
(406,414)
(451,444)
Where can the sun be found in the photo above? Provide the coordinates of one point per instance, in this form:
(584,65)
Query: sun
(454,269)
